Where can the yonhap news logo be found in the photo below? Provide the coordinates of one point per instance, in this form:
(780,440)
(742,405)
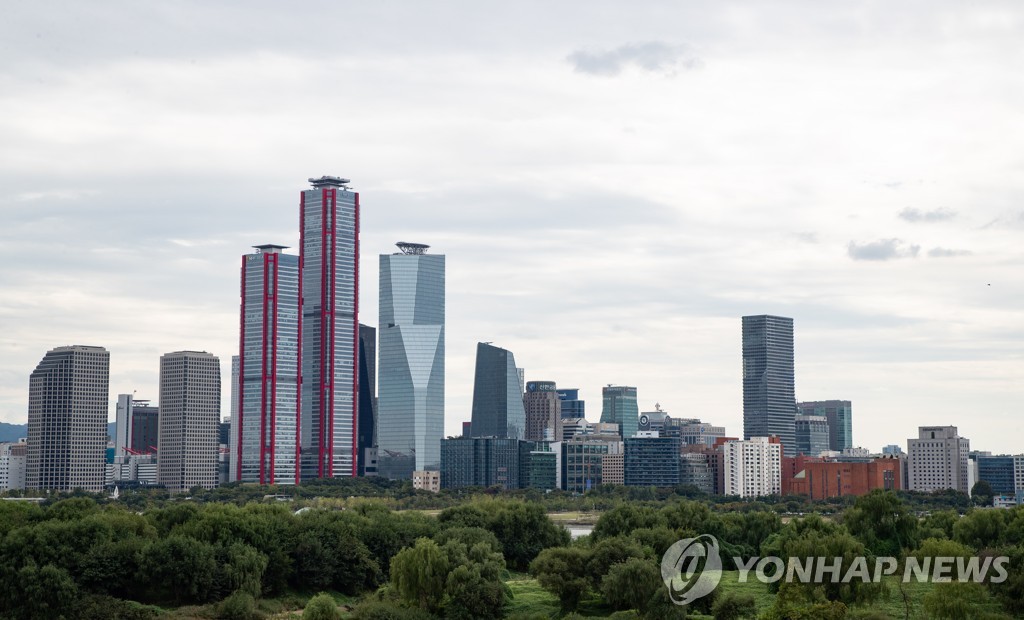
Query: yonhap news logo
(691,568)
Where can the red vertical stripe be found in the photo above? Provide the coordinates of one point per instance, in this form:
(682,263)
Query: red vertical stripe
(275,339)
(264,344)
(241,382)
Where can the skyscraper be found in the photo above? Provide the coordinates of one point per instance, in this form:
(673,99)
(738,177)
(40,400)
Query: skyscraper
(937,460)
(811,434)
(189,415)
(67,419)
(329,289)
(769,404)
(410,420)
(497,399)
(366,442)
(572,407)
(839,414)
(266,420)
(619,407)
(543,411)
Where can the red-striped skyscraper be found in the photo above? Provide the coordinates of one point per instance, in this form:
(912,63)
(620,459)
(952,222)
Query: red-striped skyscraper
(267,417)
(329,293)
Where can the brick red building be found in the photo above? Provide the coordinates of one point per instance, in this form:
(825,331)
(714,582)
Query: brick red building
(820,478)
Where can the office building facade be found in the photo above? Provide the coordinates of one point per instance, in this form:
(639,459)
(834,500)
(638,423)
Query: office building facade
(583,462)
(543,411)
(329,290)
(266,419)
(839,414)
(938,460)
(67,420)
(13,465)
(572,406)
(998,472)
(812,434)
(651,460)
(482,461)
(769,402)
(189,417)
(619,407)
(497,398)
(366,442)
(410,422)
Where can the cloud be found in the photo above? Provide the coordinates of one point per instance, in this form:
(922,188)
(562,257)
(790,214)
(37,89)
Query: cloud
(1013,220)
(883,249)
(652,56)
(937,215)
(806,237)
(947,253)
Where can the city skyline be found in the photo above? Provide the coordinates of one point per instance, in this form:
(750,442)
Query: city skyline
(615,193)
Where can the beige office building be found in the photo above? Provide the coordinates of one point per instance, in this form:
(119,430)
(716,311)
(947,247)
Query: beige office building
(189,416)
(937,460)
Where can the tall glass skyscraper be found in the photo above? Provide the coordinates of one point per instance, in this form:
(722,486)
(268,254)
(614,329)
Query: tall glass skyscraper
(840,420)
(410,409)
(497,397)
(329,289)
(769,402)
(67,419)
(619,407)
(366,440)
(266,419)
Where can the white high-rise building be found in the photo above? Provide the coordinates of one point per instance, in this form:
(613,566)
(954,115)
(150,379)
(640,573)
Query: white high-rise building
(329,288)
(938,460)
(67,419)
(752,467)
(189,415)
(13,461)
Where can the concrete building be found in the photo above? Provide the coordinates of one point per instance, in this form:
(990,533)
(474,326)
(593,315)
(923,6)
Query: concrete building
(693,432)
(13,465)
(497,398)
(769,402)
(753,467)
(613,468)
(695,470)
(937,460)
(136,437)
(267,416)
(572,406)
(427,480)
(651,460)
(329,285)
(619,407)
(410,421)
(811,434)
(189,415)
(839,414)
(67,419)
(543,411)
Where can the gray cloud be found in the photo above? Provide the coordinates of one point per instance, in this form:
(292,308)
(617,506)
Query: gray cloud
(941,214)
(883,249)
(652,56)
(1013,220)
(947,253)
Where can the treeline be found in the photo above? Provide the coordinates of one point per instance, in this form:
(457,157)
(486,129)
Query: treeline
(77,559)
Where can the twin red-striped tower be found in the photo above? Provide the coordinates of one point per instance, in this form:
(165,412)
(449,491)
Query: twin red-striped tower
(298,365)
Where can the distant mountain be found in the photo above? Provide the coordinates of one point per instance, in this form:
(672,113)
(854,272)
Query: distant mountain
(14,432)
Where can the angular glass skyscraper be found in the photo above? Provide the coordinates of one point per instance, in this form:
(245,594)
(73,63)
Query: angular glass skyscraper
(769,402)
(366,439)
(266,419)
(329,289)
(497,398)
(619,407)
(410,407)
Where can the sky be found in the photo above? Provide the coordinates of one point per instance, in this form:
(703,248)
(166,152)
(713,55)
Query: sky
(614,185)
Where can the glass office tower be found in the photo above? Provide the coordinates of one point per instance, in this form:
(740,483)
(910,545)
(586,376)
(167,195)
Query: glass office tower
(619,407)
(410,409)
(840,420)
(268,373)
(497,400)
(769,402)
(329,289)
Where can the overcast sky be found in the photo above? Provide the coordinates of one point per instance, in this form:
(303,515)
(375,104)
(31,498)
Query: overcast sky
(614,185)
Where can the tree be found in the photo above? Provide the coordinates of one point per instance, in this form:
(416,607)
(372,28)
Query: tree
(982,493)
(980,529)
(631,584)
(609,552)
(562,571)
(882,522)
(735,605)
(957,600)
(239,606)
(180,570)
(321,607)
(419,573)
